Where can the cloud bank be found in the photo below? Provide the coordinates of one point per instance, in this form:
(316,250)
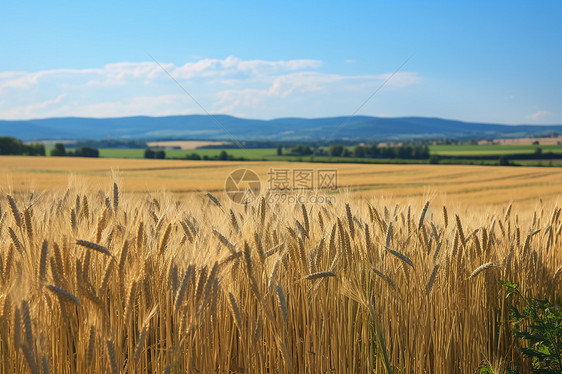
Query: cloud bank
(248,88)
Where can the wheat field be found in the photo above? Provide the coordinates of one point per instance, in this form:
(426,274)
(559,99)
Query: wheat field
(110,280)
(477,186)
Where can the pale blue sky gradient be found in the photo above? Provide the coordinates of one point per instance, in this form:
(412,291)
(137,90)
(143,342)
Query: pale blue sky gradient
(485,61)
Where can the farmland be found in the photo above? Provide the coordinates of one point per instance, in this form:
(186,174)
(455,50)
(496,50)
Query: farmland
(488,150)
(289,187)
(446,150)
(255,154)
(452,154)
(123,265)
(475,185)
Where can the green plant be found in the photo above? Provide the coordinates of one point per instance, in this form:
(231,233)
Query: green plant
(501,367)
(540,324)
(59,150)
(433,159)
(504,160)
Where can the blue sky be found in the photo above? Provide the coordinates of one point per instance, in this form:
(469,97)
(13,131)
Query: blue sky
(485,61)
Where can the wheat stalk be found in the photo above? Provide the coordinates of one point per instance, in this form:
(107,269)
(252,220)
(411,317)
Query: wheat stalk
(165,239)
(305,219)
(106,274)
(26,318)
(214,200)
(482,268)
(110,346)
(200,285)
(16,325)
(140,344)
(385,278)
(234,222)
(91,344)
(94,246)
(283,303)
(322,274)
(401,256)
(460,231)
(388,235)
(45,364)
(43,261)
(123,256)
(115,197)
(63,295)
(350,220)
(235,311)
(181,291)
(431,279)
(422,215)
(28,224)
(14,209)
(85,208)
(15,240)
(8,262)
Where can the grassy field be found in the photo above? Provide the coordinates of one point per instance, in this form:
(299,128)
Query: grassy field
(487,150)
(400,273)
(270,154)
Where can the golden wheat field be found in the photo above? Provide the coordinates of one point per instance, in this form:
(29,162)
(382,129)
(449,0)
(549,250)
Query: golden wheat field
(474,186)
(139,270)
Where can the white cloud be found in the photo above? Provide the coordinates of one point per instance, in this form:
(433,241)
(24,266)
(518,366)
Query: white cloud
(18,80)
(256,88)
(539,115)
(236,101)
(37,109)
(232,66)
(120,73)
(310,86)
(281,87)
(400,79)
(163,105)
(304,81)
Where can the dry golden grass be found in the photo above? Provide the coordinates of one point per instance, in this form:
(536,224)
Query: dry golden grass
(458,184)
(99,281)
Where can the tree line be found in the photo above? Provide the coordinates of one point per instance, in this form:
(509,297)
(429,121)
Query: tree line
(84,151)
(13,146)
(404,151)
(222,156)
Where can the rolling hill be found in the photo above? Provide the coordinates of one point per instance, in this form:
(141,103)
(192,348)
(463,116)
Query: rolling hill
(224,127)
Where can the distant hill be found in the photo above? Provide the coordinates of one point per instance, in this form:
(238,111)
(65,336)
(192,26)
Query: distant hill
(206,128)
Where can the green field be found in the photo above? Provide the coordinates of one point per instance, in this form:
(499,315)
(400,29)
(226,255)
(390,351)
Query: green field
(487,150)
(270,154)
